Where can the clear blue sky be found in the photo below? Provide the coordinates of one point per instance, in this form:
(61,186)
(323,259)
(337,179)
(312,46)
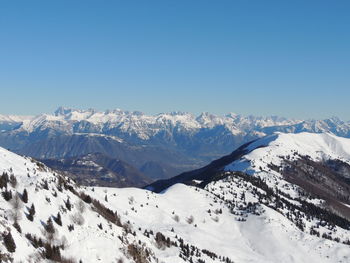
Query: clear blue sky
(288,58)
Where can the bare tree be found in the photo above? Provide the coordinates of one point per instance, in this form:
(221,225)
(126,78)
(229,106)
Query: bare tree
(176,218)
(190,220)
(80,206)
(78,219)
(17,205)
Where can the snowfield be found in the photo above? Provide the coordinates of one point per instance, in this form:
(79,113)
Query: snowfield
(318,146)
(229,220)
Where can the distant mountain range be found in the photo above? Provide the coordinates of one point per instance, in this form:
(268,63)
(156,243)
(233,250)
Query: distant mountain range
(158,146)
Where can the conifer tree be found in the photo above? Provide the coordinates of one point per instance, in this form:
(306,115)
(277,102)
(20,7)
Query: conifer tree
(25,196)
(49,226)
(32,209)
(7,195)
(58,219)
(17,226)
(4,179)
(31,213)
(68,204)
(13,181)
(9,242)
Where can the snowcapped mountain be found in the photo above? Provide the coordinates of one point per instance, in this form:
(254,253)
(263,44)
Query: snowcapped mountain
(11,122)
(230,211)
(145,127)
(171,142)
(305,177)
(274,149)
(317,163)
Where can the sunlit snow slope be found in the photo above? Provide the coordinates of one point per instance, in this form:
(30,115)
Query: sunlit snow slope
(231,219)
(273,148)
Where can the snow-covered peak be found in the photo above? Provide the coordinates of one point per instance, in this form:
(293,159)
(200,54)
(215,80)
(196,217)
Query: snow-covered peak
(134,124)
(314,145)
(14,118)
(273,158)
(232,115)
(180,119)
(275,147)
(62,111)
(184,119)
(207,119)
(42,122)
(74,114)
(335,120)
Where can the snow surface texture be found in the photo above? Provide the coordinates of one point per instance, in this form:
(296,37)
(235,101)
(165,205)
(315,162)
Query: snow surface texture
(187,215)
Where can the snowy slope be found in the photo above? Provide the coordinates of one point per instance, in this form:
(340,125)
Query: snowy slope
(306,169)
(269,237)
(274,148)
(213,224)
(14,118)
(270,157)
(48,203)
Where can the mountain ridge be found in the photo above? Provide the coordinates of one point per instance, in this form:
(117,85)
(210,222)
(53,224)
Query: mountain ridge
(184,119)
(173,142)
(318,163)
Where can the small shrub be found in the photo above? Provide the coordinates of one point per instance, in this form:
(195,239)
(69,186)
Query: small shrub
(80,206)
(13,181)
(176,218)
(78,219)
(138,253)
(190,220)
